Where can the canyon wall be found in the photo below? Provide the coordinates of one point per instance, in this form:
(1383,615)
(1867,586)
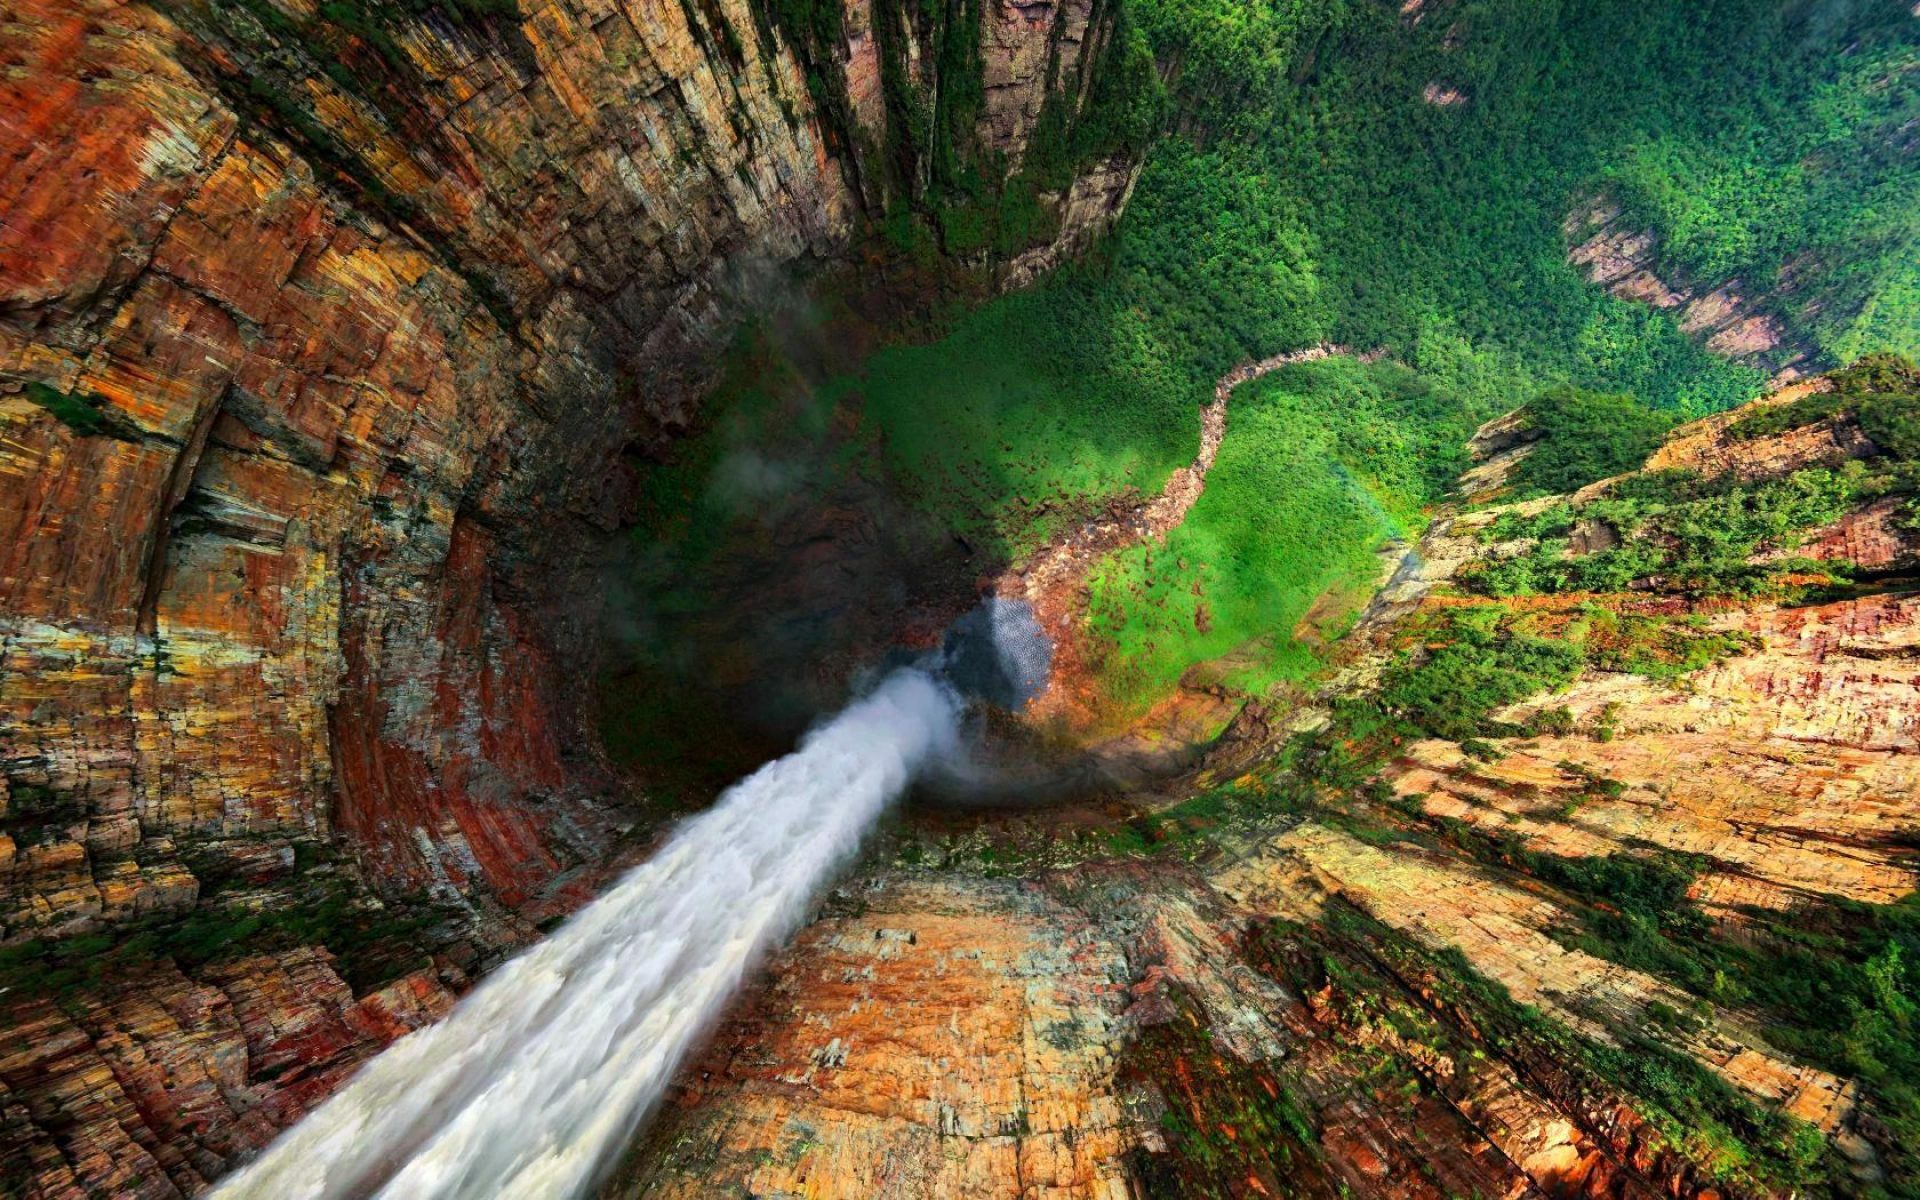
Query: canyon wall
(1289,987)
(329,338)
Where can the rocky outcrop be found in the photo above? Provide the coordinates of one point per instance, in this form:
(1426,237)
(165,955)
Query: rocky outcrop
(948,1040)
(1876,537)
(1734,320)
(325,344)
(155,1091)
(979,1038)
(1791,767)
(1709,448)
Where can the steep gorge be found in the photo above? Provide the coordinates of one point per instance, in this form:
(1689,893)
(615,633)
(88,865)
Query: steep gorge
(1352,960)
(444,441)
(333,339)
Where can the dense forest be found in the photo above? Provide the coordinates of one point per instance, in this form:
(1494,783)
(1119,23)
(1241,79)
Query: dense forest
(1396,181)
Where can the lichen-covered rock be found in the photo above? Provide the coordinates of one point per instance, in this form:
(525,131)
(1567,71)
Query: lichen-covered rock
(947,1041)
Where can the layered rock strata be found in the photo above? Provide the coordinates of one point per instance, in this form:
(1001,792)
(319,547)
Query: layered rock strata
(1286,1013)
(325,348)
(153,1092)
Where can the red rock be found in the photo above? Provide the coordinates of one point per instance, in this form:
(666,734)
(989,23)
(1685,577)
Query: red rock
(361,438)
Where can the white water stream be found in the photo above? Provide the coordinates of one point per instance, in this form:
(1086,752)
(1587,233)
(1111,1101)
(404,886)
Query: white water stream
(536,1080)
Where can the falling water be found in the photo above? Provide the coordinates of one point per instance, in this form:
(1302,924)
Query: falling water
(543,1073)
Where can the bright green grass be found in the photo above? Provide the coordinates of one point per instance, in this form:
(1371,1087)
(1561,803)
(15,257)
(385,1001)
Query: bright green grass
(1315,196)
(1032,410)
(1321,463)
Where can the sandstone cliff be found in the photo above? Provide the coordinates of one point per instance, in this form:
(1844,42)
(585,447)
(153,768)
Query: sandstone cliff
(324,332)
(1373,965)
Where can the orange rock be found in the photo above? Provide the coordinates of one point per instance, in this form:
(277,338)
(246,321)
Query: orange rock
(156,1087)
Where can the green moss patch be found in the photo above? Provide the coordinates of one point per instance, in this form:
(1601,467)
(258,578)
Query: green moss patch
(1322,462)
(87,414)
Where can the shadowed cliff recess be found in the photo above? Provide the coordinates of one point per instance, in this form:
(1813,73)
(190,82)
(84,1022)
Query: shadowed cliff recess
(1426,490)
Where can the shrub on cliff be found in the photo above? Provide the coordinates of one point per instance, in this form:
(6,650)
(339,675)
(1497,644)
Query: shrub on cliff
(1881,392)
(1586,437)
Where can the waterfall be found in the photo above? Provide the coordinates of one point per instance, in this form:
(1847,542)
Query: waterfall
(540,1077)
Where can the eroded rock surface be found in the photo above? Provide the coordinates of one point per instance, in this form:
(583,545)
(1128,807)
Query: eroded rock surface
(1325,1004)
(154,1092)
(320,350)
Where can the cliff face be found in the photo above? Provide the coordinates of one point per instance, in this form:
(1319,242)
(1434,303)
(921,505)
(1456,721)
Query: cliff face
(1732,319)
(1377,964)
(323,335)
(151,1092)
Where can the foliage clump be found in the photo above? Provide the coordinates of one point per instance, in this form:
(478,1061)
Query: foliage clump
(85,413)
(1583,437)
(1881,393)
(1679,531)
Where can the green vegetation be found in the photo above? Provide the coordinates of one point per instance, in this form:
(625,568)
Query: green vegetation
(1455,668)
(86,413)
(1311,194)
(994,428)
(1185,826)
(1700,536)
(1831,983)
(1474,662)
(1881,393)
(1399,1027)
(1584,437)
(373,944)
(1322,462)
(1702,546)
(1226,1123)
(1666,648)
(1462,664)
(1834,982)
(1750,134)
(1736,1140)
(1630,903)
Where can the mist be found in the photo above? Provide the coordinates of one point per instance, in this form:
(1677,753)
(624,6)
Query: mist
(536,1081)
